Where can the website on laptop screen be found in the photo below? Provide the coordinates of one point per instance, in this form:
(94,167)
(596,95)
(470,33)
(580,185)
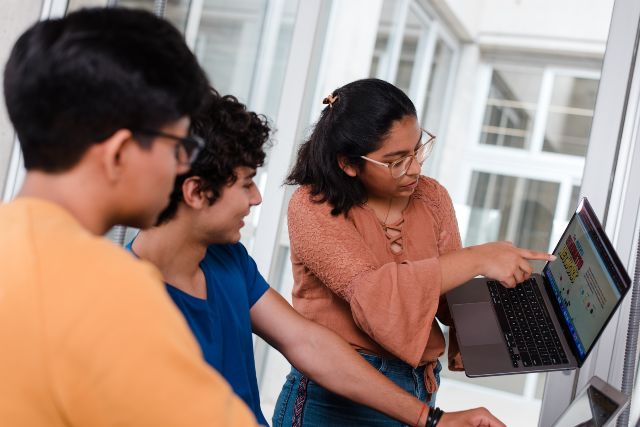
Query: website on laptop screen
(582,283)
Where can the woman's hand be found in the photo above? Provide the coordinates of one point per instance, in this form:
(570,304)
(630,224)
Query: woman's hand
(501,261)
(505,262)
(472,418)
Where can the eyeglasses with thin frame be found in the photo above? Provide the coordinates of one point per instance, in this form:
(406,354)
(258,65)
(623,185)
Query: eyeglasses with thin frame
(186,150)
(398,168)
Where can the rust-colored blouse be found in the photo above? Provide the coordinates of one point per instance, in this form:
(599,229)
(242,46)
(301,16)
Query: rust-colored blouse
(347,278)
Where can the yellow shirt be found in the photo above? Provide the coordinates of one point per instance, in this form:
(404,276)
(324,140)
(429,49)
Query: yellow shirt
(89,336)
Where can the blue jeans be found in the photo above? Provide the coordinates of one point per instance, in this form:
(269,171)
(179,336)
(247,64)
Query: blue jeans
(302,402)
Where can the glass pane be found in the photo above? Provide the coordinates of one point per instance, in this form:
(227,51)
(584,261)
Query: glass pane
(511,107)
(570,115)
(279,61)
(381,50)
(378,52)
(412,32)
(227,44)
(176,11)
(78,4)
(437,87)
(268,105)
(511,208)
(406,62)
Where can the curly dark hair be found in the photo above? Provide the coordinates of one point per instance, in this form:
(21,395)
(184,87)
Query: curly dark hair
(233,137)
(356,121)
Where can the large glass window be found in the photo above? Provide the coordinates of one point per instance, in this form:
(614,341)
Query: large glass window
(417,59)
(511,208)
(242,46)
(570,114)
(518,99)
(521,177)
(511,107)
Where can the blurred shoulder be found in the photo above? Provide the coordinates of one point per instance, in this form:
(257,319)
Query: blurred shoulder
(431,191)
(304,202)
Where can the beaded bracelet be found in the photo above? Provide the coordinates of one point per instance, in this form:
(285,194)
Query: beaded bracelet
(437,416)
(434,417)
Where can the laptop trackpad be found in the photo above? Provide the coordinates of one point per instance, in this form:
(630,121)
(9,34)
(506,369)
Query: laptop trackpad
(476,324)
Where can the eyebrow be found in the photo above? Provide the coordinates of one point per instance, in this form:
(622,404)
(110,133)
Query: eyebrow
(403,152)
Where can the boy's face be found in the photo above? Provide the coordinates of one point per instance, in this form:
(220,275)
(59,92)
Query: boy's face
(235,201)
(151,178)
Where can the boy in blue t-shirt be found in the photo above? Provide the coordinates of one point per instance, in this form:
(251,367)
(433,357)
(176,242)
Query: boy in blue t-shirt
(217,286)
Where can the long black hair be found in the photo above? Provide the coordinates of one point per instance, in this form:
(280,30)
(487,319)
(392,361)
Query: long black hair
(358,117)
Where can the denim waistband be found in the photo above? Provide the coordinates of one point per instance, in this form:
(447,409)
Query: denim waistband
(395,365)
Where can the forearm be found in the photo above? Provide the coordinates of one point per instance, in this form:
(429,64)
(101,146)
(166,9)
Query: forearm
(458,267)
(501,261)
(328,360)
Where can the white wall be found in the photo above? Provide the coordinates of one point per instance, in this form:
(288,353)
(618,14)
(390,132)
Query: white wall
(538,25)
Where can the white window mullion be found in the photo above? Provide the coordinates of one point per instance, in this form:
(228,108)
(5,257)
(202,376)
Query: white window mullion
(15,173)
(266,54)
(289,117)
(513,223)
(193,23)
(562,207)
(241,72)
(389,61)
(540,121)
(421,72)
(299,77)
(53,9)
(484,88)
(609,119)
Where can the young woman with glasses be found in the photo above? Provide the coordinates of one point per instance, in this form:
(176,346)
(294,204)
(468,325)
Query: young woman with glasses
(374,247)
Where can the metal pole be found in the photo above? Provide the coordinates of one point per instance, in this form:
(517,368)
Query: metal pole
(629,369)
(159,7)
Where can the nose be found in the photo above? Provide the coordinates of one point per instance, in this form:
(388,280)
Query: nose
(256,197)
(414,168)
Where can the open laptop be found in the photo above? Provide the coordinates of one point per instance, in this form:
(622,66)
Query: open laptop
(551,321)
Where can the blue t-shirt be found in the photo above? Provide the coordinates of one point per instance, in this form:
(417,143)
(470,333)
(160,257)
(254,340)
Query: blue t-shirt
(221,323)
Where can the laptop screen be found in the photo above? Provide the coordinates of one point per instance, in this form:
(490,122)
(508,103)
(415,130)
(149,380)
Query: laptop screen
(587,279)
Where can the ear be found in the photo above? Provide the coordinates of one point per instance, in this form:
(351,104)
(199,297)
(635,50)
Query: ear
(347,167)
(113,153)
(192,195)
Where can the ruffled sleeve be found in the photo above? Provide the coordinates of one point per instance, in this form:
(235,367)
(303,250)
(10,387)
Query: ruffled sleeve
(449,241)
(386,301)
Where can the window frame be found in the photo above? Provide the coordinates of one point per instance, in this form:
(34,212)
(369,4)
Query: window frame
(612,163)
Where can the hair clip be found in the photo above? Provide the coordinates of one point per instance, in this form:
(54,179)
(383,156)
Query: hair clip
(330,100)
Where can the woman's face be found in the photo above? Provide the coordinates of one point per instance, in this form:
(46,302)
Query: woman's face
(403,139)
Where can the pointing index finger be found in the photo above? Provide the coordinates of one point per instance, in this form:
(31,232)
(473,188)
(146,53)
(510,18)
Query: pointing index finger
(535,255)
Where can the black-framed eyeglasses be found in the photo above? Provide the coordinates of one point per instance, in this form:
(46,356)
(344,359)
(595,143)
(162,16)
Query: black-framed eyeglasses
(398,168)
(186,150)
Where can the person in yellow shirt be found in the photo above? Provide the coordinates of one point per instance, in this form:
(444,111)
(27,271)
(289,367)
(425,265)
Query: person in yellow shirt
(101,102)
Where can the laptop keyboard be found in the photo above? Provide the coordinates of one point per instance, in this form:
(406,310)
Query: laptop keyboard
(526,324)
